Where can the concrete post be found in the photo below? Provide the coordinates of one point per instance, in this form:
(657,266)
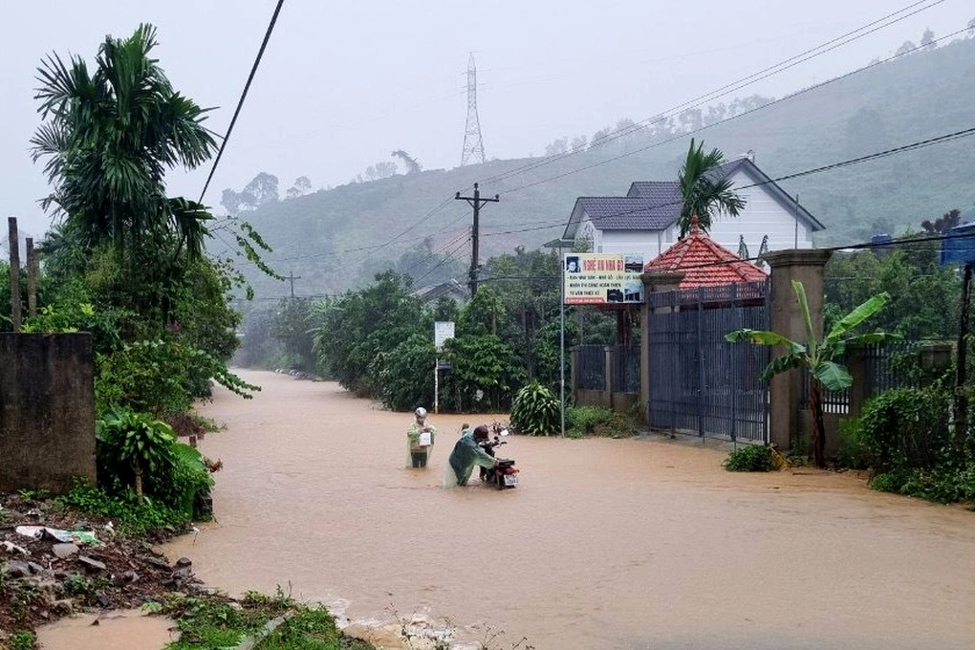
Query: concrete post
(653,283)
(807,267)
(608,397)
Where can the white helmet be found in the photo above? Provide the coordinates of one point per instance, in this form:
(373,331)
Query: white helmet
(421,412)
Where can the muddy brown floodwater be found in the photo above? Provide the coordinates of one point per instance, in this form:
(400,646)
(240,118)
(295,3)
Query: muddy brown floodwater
(642,544)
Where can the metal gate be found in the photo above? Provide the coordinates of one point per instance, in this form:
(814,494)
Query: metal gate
(700,384)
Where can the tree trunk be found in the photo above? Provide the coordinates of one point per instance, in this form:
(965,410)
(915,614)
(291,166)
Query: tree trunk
(817,413)
(138,471)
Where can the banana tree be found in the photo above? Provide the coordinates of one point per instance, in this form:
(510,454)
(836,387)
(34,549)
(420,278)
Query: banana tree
(817,355)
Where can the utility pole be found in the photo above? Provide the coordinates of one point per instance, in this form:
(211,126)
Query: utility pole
(291,281)
(476,202)
(14,244)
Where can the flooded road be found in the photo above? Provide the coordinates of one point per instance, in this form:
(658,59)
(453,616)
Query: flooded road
(640,544)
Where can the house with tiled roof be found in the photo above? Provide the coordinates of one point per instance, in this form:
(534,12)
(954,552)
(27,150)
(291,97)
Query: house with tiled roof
(703,262)
(646,219)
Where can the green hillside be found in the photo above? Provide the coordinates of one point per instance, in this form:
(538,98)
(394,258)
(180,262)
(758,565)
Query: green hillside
(915,97)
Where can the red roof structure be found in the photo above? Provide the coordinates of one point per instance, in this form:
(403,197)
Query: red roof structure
(704,262)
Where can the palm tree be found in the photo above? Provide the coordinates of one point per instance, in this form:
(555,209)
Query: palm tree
(109,138)
(703,193)
(818,356)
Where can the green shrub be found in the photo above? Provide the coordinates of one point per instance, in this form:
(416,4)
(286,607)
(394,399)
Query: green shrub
(751,458)
(853,451)
(130,514)
(598,421)
(134,450)
(945,484)
(535,410)
(906,428)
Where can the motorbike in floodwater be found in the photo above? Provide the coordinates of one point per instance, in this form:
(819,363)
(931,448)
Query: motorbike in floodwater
(505,474)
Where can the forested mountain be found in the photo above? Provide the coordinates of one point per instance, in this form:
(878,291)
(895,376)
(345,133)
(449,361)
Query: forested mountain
(332,238)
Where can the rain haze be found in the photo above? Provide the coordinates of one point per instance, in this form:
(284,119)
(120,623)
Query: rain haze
(340,87)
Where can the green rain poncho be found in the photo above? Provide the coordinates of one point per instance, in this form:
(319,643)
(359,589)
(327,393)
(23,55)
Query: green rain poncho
(463,459)
(417,454)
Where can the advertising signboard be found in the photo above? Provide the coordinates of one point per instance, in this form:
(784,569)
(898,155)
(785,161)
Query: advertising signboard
(602,278)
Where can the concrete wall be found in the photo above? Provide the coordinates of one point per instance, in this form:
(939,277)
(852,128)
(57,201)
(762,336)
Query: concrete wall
(47,411)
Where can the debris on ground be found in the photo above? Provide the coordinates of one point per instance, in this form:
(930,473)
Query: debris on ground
(55,561)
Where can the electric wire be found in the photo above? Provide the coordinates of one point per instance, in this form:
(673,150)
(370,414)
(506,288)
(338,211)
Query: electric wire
(244,94)
(736,85)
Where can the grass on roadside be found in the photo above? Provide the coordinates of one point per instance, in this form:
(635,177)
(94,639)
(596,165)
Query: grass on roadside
(217,622)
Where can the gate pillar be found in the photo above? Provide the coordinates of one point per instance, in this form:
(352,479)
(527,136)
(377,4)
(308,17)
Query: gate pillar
(807,267)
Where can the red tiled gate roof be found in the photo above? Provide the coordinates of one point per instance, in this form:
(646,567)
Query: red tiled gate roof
(704,262)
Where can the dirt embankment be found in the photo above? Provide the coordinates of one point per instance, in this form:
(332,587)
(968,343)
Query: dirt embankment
(55,562)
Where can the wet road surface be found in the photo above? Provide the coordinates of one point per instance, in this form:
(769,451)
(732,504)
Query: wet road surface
(642,544)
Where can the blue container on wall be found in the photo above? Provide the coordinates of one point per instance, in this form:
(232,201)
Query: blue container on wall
(958,246)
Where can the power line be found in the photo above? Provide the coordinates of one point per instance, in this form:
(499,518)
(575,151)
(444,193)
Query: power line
(949,137)
(244,94)
(774,69)
(431,255)
(686,134)
(907,242)
(738,84)
(441,263)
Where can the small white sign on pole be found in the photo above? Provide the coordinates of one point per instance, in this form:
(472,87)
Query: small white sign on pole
(443,330)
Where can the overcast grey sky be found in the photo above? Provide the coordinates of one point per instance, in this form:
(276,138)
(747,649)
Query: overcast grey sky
(343,84)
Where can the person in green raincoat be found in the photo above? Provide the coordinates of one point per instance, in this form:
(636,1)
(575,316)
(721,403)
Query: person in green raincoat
(466,455)
(420,440)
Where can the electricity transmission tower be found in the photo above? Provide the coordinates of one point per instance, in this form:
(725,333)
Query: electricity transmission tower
(473,131)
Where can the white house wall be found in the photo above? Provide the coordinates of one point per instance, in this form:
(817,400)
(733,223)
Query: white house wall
(763,215)
(649,243)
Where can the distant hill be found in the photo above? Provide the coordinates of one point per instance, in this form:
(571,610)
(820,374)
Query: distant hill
(915,97)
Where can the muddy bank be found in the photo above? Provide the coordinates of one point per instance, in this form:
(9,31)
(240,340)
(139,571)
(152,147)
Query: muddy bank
(606,543)
(55,562)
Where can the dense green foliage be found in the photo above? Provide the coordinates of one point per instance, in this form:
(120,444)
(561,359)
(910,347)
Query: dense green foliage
(906,437)
(924,295)
(750,458)
(536,410)
(125,262)
(378,341)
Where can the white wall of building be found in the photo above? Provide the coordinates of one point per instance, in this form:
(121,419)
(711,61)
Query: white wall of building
(650,243)
(763,215)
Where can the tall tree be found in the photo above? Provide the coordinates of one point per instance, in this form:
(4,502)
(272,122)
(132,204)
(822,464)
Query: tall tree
(413,167)
(109,138)
(704,192)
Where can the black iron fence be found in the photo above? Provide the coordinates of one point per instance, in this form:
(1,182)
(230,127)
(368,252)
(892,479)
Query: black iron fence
(626,362)
(878,368)
(590,372)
